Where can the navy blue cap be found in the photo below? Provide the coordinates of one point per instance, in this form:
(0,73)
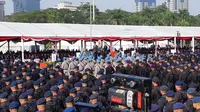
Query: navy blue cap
(156,79)
(57,67)
(164,88)
(78,84)
(33,67)
(42,71)
(52,73)
(5,66)
(54,88)
(196,100)
(14,105)
(178,105)
(73,90)
(30,91)
(85,81)
(49,66)
(41,101)
(7,79)
(19,74)
(48,94)
(69,99)
(94,96)
(170,94)
(154,107)
(191,91)
(28,74)
(13,69)
(23,96)
(37,82)
(20,82)
(102,78)
(4,72)
(179,83)
(95,88)
(60,82)
(14,83)
(100,72)
(4,95)
(76,67)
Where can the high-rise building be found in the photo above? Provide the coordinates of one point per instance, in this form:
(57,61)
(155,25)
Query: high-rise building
(139,5)
(2,12)
(176,5)
(26,5)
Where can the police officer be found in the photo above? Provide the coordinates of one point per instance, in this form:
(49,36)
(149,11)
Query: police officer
(54,90)
(41,105)
(191,92)
(178,107)
(180,95)
(196,104)
(24,104)
(29,83)
(38,92)
(30,100)
(69,103)
(52,80)
(20,86)
(14,94)
(170,101)
(13,107)
(94,100)
(78,86)
(155,91)
(50,104)
(162,100)
(4,102)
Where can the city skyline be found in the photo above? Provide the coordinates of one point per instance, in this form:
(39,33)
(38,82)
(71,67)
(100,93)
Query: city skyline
(194,8)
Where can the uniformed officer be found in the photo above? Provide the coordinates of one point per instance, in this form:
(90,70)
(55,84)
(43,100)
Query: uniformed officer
(180,95)
(4,102)
(94,100)
(41,105)
(78,86)
(155,108)
(162,100)
(178,107)
(191,92)
(52,80)
(50,104)
(24,104)
(29,83)
(170,101)
(65,65)
(14,94)
(20,86)
(13,107)
(69,103)
(155,90)
(30,100)
(38,92)
(196,104)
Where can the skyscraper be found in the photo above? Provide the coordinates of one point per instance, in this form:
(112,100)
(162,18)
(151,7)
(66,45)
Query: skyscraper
(139,5)
(2,12)
(26,5)
(176,5)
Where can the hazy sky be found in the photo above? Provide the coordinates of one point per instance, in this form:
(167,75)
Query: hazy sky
(194,5)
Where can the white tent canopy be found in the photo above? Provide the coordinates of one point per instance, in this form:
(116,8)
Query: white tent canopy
(56,30)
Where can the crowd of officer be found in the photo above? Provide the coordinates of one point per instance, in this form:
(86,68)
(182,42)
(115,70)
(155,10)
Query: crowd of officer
(25,87)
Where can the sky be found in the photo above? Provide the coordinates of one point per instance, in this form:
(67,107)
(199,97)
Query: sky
(194,5)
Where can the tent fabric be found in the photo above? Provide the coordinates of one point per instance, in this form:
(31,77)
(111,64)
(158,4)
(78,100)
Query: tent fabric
(74,32)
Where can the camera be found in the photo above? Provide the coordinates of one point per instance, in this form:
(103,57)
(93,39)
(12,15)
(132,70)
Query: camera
(133,92)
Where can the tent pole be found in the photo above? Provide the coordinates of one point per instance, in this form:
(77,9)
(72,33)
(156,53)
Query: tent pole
(111,46)
(59,45)
(120,43)
(85,44)
(137,44)
(156,47)
(175,43)
(9,51)
(81,45)
(35,46)
(193,43)
(22,45)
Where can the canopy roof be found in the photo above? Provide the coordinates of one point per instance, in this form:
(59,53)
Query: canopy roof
(55,31)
